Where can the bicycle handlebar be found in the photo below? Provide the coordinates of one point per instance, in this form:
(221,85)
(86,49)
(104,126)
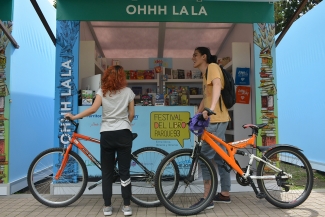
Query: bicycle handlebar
(71,121)
(210,112)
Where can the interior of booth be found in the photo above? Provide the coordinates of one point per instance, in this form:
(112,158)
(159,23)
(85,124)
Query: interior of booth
(134,44)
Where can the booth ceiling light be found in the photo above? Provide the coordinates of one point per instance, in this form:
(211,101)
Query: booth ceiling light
(9,36)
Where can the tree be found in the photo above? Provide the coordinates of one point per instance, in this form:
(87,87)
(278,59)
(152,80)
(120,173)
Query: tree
(54,3)
(284,10)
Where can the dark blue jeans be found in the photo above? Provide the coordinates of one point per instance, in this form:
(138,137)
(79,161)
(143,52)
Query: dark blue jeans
(116,143)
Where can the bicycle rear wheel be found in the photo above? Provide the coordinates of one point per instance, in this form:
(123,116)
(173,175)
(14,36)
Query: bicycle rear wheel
(286,192)
(189,191)
(143,186)
(64,191)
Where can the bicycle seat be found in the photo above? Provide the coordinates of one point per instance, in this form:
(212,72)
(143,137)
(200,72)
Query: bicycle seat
(254,126)
(134,135)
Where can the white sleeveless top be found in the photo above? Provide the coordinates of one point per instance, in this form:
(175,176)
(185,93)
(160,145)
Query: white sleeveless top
(115,109)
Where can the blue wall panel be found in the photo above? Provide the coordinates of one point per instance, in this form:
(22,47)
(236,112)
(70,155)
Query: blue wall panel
(31,87)
(300,65)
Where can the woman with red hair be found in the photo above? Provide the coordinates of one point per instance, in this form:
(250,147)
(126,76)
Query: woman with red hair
(117,102)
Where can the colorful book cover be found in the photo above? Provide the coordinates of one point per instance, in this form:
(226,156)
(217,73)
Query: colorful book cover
(196,75)
(140,74)
(149,74)
(168,72)
(133,75)
(242,76)
(188,74)
(87,97)
(181,74)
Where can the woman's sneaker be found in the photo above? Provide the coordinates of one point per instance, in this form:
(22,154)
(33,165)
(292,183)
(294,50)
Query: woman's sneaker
(108,210)
(219,198)
(127,210)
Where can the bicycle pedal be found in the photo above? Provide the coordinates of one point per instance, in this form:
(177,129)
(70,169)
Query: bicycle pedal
(261,195)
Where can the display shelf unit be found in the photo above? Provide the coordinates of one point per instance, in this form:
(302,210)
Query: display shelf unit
(88,65)
(194,99)
(184,81)
(240,58)
(241,113)
(144,81)
(200,96)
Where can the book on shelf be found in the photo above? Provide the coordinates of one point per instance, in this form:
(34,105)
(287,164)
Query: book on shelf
(140,74)
(146,100)
(127,74)
(181,73)
(86,97)
(188,74)
(194,91)
(149,74)
(173,99)
(160,100)
(153,97)
(168,72)
(133,75)
(137,90)
(184,94)
(196,75)
(158,69)
(175,74)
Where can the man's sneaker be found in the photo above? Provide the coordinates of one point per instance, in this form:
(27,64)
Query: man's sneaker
(219,198)
(210,206)
(127,210)
(108,210)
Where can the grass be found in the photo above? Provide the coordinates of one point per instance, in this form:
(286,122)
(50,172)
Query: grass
(319,179)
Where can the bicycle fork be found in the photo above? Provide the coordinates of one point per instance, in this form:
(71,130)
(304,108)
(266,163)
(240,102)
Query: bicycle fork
(64,162)
(195,157)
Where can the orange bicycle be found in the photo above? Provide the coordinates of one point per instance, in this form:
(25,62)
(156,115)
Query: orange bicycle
(284,175)
(57,177)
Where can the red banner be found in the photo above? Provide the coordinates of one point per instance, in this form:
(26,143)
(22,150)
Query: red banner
(243,94)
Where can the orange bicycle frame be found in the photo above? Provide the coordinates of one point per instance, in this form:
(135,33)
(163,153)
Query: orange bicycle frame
(231,148)
(74,141)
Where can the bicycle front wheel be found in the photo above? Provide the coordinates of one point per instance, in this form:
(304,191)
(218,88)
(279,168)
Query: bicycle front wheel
(290,187)
(143,175)
(188,198)
(63,191)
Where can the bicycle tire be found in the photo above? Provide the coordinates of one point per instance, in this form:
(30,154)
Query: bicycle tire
(143,190)
(64,191)
(286,193)
(183,199)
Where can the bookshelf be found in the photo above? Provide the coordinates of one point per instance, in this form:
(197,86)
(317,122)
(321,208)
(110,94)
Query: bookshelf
(169,81)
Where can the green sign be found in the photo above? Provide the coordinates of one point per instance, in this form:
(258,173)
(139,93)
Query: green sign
(165,11)
(6,10)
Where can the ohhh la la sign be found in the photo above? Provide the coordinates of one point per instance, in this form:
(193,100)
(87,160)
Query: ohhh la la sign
(165,10)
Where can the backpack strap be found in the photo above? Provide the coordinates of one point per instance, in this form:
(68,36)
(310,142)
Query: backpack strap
(206,78)
(206,74)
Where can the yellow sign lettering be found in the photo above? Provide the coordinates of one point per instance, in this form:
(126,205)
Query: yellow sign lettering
(170,126)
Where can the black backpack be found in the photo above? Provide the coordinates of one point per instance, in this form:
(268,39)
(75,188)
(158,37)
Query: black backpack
(228,93)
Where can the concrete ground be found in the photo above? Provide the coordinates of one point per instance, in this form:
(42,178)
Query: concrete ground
(243,204)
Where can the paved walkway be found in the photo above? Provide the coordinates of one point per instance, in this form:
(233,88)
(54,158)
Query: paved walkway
(243,204)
